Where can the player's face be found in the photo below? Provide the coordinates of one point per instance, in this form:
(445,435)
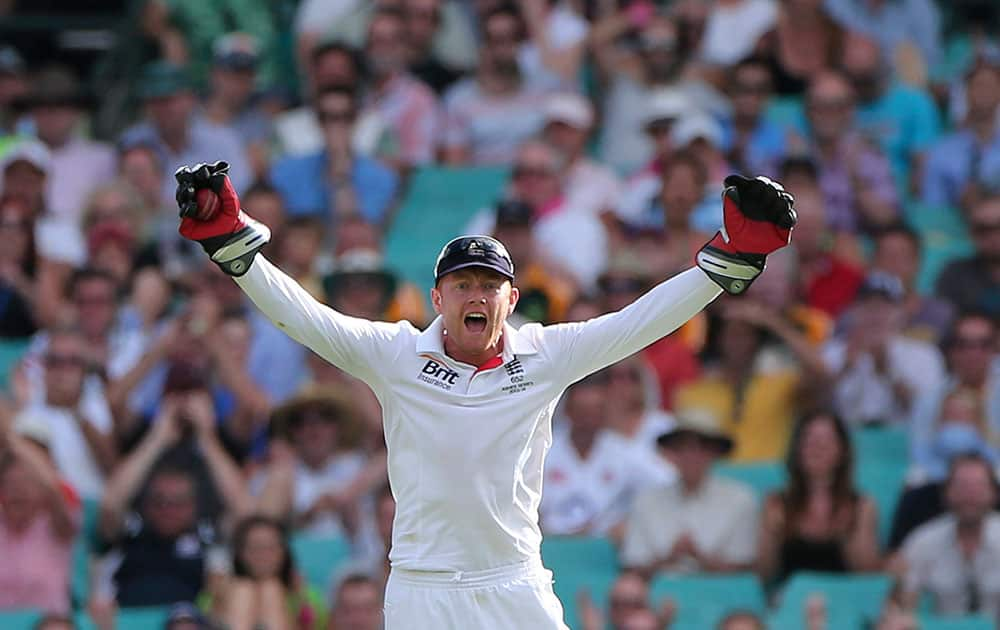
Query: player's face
(475,303)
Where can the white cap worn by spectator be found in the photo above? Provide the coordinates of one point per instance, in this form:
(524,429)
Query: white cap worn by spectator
(31,151)
(694,126)
(571,109)
(30,425)
(665,104)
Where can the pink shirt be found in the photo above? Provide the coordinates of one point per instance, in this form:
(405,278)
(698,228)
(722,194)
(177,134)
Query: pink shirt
(34,567)
(410,110)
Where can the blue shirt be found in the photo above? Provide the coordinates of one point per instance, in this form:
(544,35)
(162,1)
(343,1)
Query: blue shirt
(957,160)
(767,145)
(893,23)
(305,188)
(903,121)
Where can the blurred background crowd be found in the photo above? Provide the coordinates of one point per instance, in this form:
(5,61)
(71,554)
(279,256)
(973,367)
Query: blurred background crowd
(819,453)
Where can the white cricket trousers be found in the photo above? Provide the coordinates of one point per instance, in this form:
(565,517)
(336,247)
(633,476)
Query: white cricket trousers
(517,597)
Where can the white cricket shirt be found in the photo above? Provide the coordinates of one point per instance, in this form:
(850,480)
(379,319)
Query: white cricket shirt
(465,446)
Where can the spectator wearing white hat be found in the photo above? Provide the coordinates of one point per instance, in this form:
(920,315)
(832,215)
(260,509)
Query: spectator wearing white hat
(663,109)
(591,187)
(26,170)
(639,53)
(703,136)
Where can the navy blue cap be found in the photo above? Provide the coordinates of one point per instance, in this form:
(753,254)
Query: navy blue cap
(182,612)
(474,251)
(882,284)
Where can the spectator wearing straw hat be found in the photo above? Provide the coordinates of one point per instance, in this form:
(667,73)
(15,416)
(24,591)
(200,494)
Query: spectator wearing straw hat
(317,472)
(701,523)
(591,187)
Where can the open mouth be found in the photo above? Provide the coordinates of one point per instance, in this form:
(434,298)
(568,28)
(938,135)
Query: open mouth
(475,322)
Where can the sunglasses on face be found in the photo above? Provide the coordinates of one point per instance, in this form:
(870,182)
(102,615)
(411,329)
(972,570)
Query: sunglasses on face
(502,39)
(63,360)
(326,117)
(160,501)
(659,128)
(984,228)
(830,104)
(531,171)
(973,343)
(753,88)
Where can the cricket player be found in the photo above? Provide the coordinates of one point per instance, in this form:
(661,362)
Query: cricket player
(467,403)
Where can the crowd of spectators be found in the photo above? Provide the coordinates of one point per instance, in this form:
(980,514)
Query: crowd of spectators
(149,410)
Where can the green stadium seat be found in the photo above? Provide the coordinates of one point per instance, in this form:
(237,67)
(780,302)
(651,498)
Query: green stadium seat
(703,600)
(11,351)
(580,564)
(850,599)
(763,477)
(882,444)
(439,203)
(883,481)
(151,618)
(19,619)
(944,236)
(929,622)
(317,559)
(82,546)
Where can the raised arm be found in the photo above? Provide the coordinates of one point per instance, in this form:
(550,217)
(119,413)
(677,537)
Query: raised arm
(758,218)
(211,215)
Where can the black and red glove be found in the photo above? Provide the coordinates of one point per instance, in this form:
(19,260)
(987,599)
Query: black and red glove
(757,219)
(228,234)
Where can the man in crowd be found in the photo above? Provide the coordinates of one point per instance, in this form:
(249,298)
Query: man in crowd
(956,557)
(964,166)
(407,109)
(702,523)
(973,283)
(591,473)
(487,116)
(178,133)
(156,512)
(78,165)
(233,81)
(335,182)
(878,371)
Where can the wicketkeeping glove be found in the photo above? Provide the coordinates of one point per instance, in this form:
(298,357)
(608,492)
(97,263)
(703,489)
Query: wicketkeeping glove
(228,234)
(757,219)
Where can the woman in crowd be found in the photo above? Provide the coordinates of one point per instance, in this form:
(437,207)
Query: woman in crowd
(265,590)
(804,40)
(820,521)
(39,517)
(17,271)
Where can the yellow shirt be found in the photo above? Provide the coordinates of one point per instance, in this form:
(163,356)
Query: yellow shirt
(760,428)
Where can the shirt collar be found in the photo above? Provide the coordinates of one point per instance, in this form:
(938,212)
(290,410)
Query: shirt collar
(431,341)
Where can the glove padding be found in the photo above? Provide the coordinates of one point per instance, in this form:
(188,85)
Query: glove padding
(758,217)
(230,237)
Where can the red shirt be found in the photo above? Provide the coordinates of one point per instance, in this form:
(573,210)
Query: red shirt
(833,289)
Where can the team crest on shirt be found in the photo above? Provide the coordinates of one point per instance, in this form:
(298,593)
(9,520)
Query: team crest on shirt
(518,382)
(438,375)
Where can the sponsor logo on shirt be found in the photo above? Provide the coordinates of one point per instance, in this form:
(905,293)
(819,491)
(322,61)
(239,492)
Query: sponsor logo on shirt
(438,375)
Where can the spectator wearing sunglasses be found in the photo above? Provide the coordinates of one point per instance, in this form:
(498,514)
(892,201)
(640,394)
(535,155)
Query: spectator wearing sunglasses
(82,447)
(335,182)
(974,283)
